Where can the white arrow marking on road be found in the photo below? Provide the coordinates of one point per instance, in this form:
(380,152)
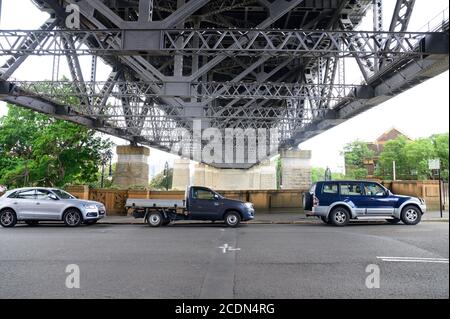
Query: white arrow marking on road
(227,247)
(415,259)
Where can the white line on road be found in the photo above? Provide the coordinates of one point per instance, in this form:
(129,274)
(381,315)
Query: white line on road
(415,259)
(225,248)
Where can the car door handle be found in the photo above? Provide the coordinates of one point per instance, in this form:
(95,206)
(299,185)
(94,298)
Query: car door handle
(216,204)
(38,203)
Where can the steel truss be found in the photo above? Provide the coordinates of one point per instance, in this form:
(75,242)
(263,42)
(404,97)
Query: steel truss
(222,90)
(363,44)
(258,64)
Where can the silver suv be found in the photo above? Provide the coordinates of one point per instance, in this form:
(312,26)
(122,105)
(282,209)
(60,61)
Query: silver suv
(34,204)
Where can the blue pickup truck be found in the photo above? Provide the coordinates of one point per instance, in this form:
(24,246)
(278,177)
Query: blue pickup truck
(338,202)
(199,203)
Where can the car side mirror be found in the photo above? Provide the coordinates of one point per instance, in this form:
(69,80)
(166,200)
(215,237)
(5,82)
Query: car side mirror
(52,196)
(216,197)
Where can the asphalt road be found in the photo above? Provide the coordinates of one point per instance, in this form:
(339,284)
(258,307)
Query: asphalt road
(210,261)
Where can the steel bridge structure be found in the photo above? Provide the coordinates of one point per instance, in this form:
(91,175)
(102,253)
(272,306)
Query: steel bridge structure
(228,63)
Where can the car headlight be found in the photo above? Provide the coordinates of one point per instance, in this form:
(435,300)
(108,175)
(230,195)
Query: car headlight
(90,206)
(249,205)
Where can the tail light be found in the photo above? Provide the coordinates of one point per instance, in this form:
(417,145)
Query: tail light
(315,201)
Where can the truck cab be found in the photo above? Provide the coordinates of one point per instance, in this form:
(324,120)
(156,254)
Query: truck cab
(203,203)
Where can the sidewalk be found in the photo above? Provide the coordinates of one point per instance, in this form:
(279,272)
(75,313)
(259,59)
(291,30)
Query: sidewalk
(280,216)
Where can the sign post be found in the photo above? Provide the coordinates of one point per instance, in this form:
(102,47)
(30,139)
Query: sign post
(435,164)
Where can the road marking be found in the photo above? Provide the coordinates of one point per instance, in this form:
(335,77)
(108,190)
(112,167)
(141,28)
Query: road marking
(415,259)
(225,248)
(220,273)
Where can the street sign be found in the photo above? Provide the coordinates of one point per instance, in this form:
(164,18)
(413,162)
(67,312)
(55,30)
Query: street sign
(434,164)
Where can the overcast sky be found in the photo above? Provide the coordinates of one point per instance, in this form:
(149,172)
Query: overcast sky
(419,112)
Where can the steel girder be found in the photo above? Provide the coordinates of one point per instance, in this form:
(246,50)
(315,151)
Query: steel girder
(217,90)
(249,75)
(215,42)
(31,43)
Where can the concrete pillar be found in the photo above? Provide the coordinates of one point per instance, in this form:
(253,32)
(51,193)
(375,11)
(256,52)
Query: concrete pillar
(259,177)
(132,166)
(268,175)
(181,174)
(295,169)
(199,175)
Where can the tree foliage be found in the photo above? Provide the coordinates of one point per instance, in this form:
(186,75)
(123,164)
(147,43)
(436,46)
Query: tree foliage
(162,182)
(355,154)
(411,158)
(36,149)
(318,174)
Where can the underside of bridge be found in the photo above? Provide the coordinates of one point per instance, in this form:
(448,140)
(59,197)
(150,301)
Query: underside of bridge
(259,64)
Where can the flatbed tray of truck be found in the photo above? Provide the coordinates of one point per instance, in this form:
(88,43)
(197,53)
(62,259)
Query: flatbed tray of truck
(154,203)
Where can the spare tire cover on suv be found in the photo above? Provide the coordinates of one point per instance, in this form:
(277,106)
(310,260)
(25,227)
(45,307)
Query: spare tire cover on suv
(307,201)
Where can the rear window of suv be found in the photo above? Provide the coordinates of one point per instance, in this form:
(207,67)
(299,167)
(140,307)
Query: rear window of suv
(330,188)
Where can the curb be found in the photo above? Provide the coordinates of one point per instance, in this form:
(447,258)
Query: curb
(295,222)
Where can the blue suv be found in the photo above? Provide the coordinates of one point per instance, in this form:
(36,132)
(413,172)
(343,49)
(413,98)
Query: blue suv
(337,202)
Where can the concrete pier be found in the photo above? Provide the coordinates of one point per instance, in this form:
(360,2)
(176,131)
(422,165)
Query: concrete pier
(132,166)
(295,169)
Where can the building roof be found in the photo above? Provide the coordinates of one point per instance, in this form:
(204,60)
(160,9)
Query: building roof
(390,134)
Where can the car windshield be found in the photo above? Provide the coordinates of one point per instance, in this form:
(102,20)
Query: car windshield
(62,194)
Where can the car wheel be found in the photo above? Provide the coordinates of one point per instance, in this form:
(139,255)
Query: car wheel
(8,218)
(32,222)
(393,221)
(232,219)
(91,222)
(155,219)
(339,216)
(411,215)
(325,220)
(73,218)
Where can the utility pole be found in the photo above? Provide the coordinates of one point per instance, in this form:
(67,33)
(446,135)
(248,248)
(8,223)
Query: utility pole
(440,191)
(106,157)
(394,177)
(103,175)
(166,175)
(435,164)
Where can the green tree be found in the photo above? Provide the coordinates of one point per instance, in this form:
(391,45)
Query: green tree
(278,170)
(161,182)
(355,154)
(393,150)
(441,151)
(318,174)
(411,157)
(417,154)
(36,149)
